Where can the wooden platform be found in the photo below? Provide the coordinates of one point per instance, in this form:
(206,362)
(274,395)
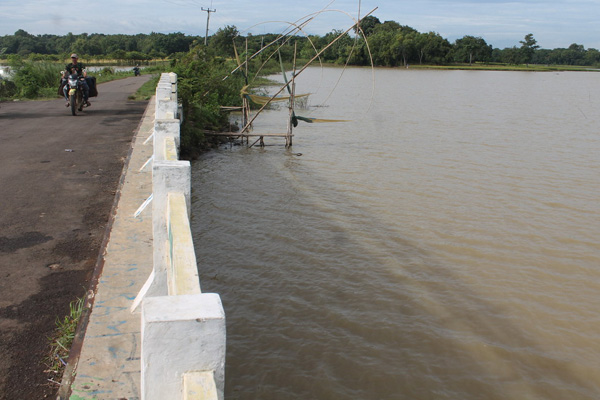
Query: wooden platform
(237,134)
(246,136)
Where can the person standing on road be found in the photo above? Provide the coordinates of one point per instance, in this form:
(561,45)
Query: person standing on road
(81,71)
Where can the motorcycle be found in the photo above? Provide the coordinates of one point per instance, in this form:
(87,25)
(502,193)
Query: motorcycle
(136,71)
(74,83)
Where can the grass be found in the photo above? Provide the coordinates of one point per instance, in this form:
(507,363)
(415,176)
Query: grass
(60,343)
(124,63)
(108,74)
(147,90)
(40,81)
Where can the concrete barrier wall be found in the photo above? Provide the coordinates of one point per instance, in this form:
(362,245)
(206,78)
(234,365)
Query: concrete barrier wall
(183,329)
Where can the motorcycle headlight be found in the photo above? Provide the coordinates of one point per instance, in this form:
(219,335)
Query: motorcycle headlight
(72,82)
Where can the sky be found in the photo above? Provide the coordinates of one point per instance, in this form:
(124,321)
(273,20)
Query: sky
(553,23)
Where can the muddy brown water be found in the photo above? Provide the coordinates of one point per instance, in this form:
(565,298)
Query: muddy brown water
(441,245)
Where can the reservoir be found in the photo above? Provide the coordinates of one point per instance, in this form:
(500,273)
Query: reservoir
(441,244)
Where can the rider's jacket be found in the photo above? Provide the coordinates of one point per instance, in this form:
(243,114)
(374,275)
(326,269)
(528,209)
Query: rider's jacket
(79,67)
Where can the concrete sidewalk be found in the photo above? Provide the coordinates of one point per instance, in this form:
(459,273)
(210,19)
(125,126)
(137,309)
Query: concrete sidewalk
(109,361)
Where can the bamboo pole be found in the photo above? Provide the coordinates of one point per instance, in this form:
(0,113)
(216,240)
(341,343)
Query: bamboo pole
(237,135)
(290,34)
(292,100)
(247,109)
(306,66)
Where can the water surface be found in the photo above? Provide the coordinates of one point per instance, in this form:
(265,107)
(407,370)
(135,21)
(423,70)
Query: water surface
(441,245)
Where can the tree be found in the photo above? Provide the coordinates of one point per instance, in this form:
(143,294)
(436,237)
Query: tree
(173,43)
(368,24)
(471,48)
(388,26)
(24,34)
(136,56)
(381,45)
(592,57)
(306,50)
(432,47)
(27,43)
(393,44)
(338,52)
(575,54)
(528,48)
(511,55)
(81,46)
(405,45)
(222,41)
(118,54)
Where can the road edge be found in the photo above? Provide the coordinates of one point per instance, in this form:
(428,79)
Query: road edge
(70,370)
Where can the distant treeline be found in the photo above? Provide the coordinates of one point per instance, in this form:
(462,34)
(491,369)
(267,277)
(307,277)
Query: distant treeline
(96,45)
(390,44)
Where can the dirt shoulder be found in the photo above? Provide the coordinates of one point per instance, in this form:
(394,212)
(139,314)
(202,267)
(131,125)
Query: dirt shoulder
(58,175)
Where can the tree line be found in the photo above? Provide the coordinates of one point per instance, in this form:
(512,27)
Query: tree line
(389,44)
(96,45)
(393,44)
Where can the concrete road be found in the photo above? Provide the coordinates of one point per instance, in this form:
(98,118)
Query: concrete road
(58,177)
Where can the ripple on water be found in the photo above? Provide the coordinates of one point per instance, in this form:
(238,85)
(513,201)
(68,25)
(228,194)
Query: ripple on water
(442,246)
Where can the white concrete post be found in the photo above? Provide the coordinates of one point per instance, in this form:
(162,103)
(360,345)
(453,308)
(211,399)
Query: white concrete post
(173,78)
(164,90)
(163,98)
(165,108)
(167,176)
(181,334)
(164,82)
(164,128)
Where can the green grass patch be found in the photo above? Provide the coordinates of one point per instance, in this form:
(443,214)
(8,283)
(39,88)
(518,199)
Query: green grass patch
(60,343)
(108,74)
(147,90)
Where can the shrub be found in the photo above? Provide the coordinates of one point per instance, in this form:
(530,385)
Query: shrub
(203,91)
(107,71)
(32,78)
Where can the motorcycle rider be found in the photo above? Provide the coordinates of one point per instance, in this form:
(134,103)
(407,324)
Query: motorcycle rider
(75,66)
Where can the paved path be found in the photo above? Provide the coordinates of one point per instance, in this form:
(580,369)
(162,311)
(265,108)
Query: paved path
(109,362)
(58,179)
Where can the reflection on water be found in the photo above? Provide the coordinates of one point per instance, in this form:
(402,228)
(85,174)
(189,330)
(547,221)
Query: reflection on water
(113,68)
(4,71)
(442,245)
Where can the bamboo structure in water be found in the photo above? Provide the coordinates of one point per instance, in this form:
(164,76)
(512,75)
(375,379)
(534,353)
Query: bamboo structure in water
(247,121)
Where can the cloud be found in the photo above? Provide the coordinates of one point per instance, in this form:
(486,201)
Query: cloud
(554,23)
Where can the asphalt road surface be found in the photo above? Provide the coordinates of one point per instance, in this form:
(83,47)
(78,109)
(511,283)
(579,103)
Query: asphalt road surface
(58,177)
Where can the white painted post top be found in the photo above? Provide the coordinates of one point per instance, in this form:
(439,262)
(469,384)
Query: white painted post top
(205,306)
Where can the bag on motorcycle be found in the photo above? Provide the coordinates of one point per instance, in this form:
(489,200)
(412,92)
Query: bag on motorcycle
(60,89)
(91,81)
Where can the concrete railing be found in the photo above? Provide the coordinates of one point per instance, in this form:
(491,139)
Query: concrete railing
(183,329)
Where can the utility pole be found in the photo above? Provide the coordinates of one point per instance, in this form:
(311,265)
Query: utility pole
(208,11)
